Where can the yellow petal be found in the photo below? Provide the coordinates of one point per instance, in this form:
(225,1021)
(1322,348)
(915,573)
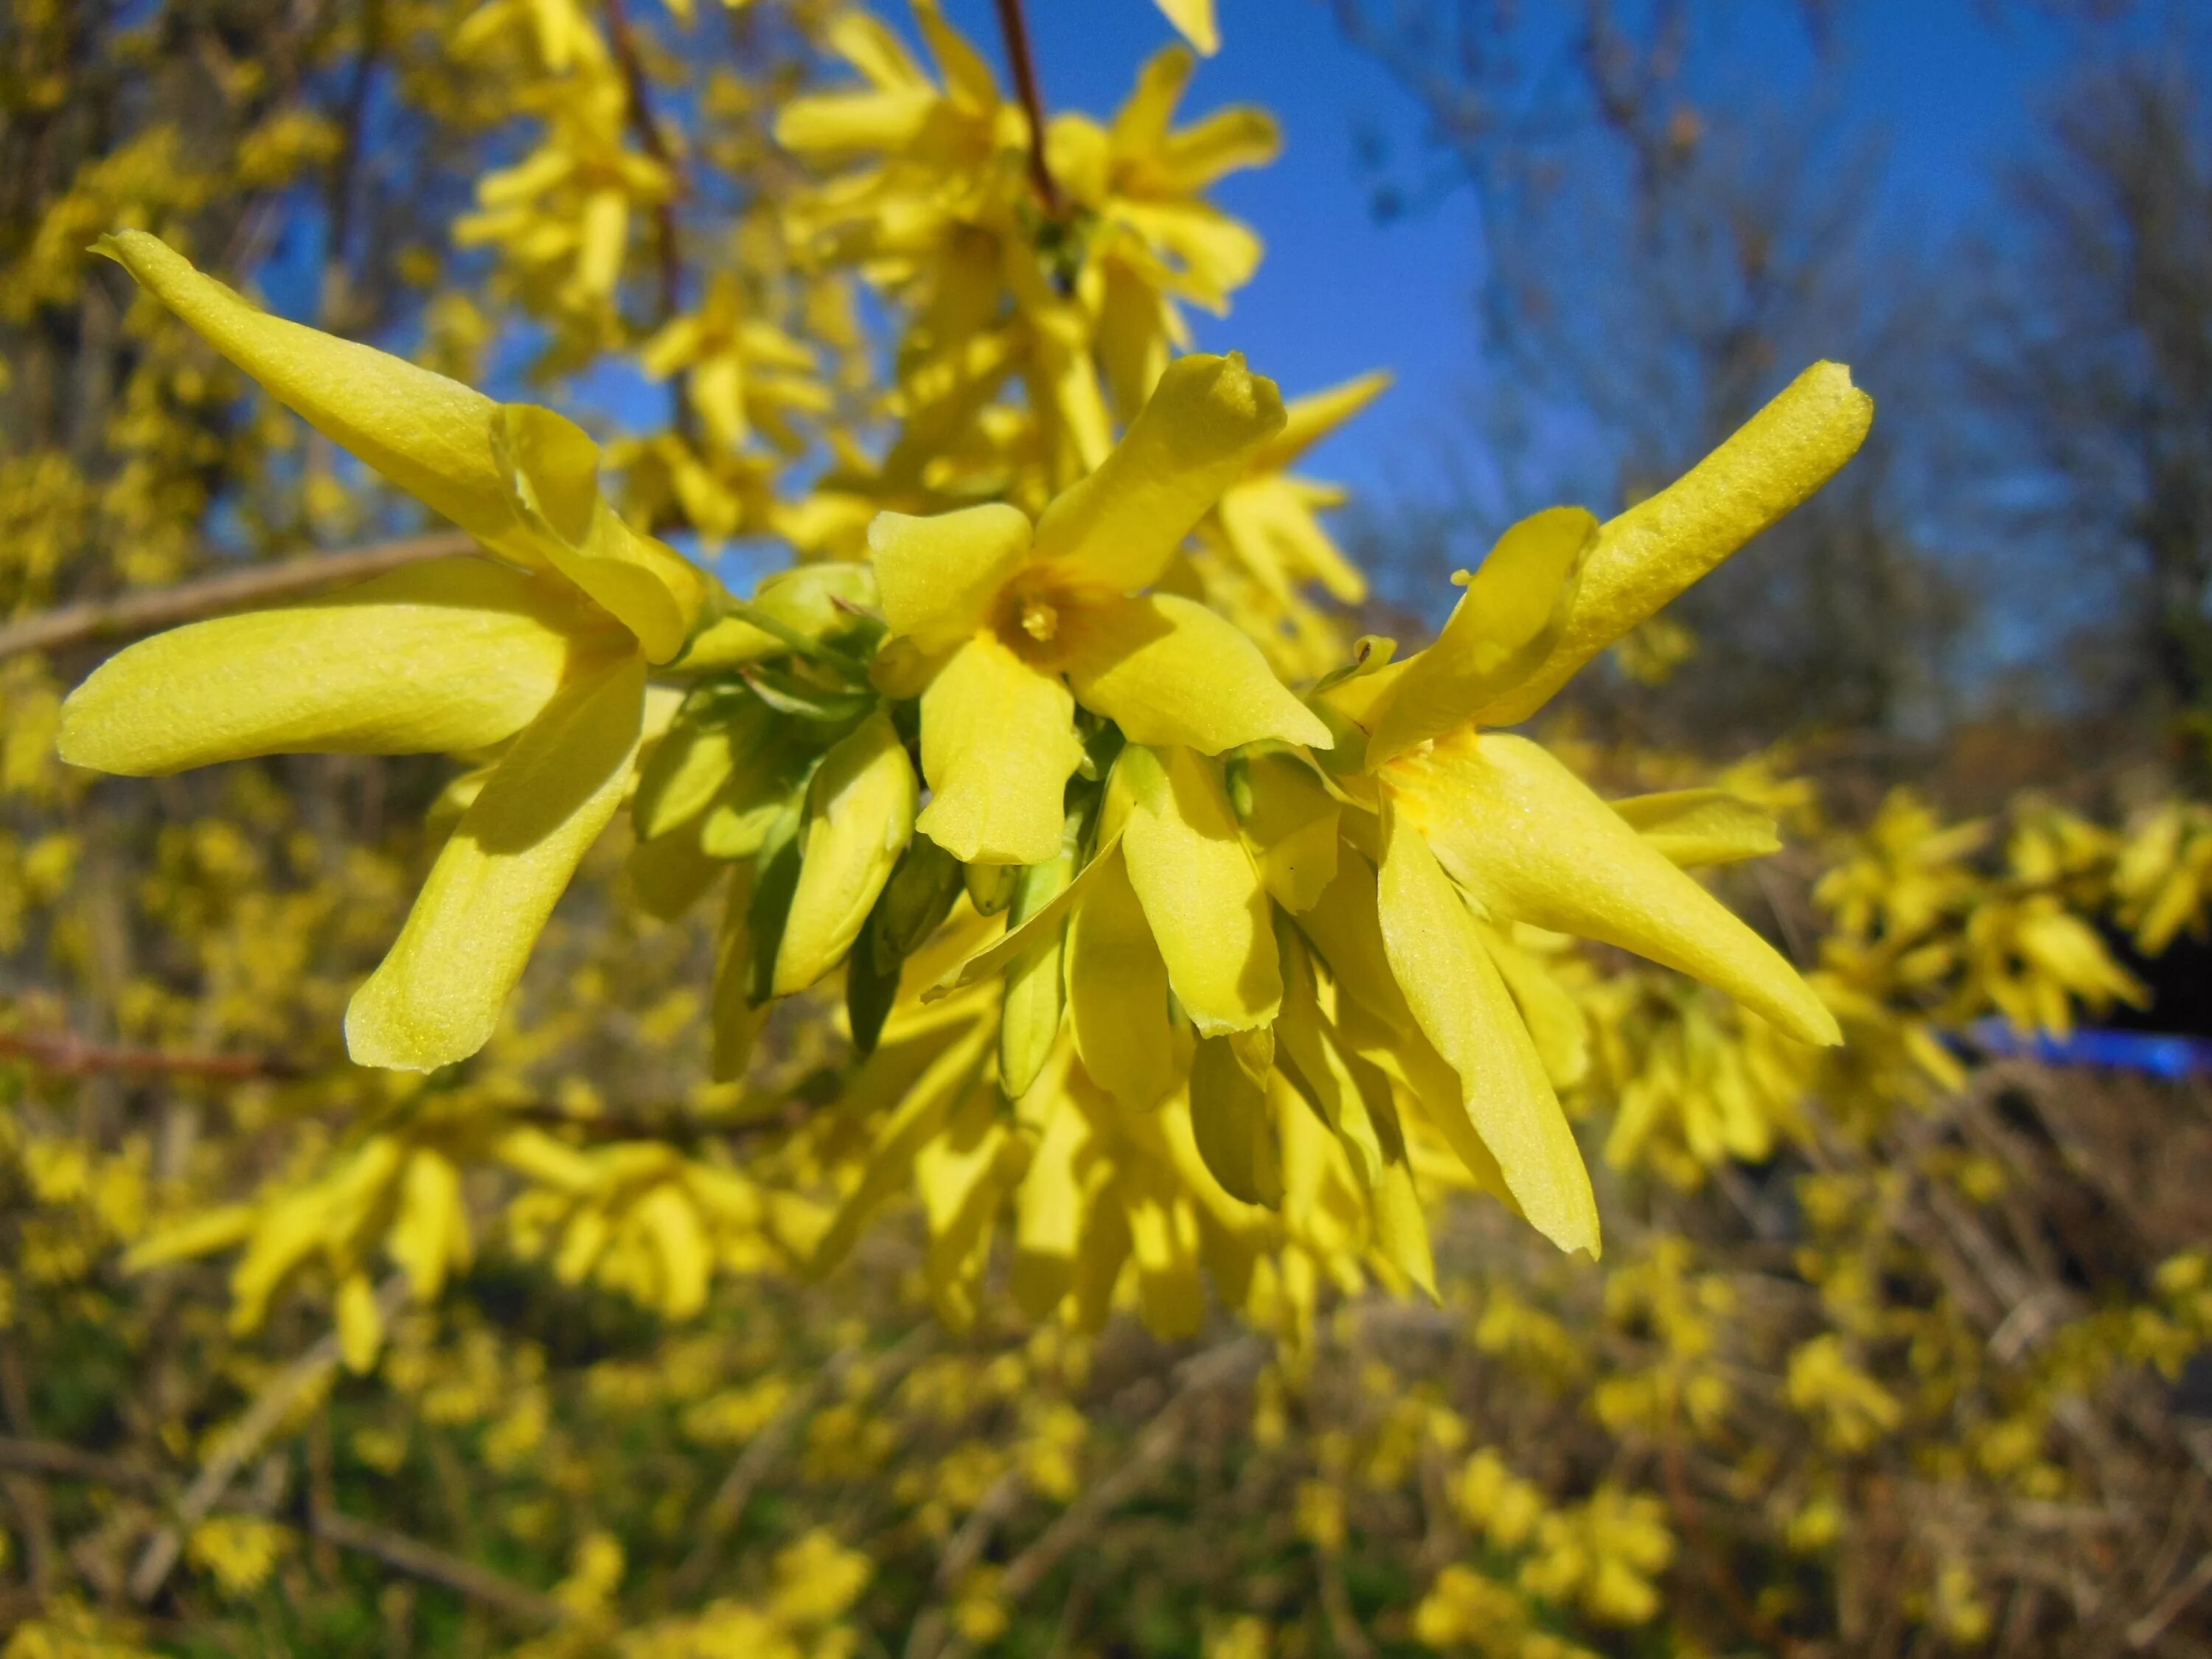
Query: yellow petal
(1048,1207)
(437,996)
(430,436)
(1166,669)
(1120,526)
(940,577)
(1462,1006)
(1553,1017)
(1660,546)
(1232,1127)
(1289,821)
(552,470)
(1030,933)
(856,123)
(998,743)
(1501,629)
(1224,142)
(670,875)
(1142,121)
(1118,989)
(1308,420)
(1193,19)
(736,1021)
(1531,843)
(1701,826)
(1200,893)
(859,816)
(453,655)
(1029,1021)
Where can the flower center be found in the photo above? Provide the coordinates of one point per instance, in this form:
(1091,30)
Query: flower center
(1040,619)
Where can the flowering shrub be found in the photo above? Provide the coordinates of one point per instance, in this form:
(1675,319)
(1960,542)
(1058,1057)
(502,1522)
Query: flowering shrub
(814,1106)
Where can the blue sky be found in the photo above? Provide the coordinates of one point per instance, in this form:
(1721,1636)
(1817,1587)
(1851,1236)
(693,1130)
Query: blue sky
(1951,86)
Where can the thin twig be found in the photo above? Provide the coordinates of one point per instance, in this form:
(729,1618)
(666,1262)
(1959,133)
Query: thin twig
(420,1561)
(131,615)
(1217,1367)
(246,1438)
(70,1055)
(1015,27)
(727,1506)
(68,1463)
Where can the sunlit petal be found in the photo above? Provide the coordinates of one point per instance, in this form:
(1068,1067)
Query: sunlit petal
(1463,1007)
(449,656)
(1166,669)
(1117,529)
(437,996)
(1650,553)
(1531,843)
(998,743)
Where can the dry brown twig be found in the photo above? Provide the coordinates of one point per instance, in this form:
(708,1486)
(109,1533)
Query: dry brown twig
(247,1436)
(129,615)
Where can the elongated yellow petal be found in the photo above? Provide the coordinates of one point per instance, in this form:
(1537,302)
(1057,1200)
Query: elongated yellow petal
(670,875)
(1166,669)
(1308,420)
(1501,629)
(1119,527)
(856,123)
(436,997)
(1554,1018)
(1028,934)
(1048,1207)
(1117,990)
(453,655)
(859,814)
(1660,546)
(1208,912)
(430,436)
(1464,1006)
(1531,843)
(1193,20)
(940,577)
(998,743)
(1701,826)
(1233,1130)
(1290,823)
(1142,121)
(552,469)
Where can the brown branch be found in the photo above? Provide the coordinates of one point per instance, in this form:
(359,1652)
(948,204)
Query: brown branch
(68,1463)
(246,1437)
(131,615)
(1217,1367)
(727,1506)
(420,1561)
(68,1054)
(325,1523)
(1015,27)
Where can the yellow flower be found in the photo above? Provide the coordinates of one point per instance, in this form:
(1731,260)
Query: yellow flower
(743,372)
(1003,628)
(1479,830)
(1156,238)
(545,649)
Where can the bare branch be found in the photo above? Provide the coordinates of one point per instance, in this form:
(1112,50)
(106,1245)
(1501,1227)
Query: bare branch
(1015,27)
(247,1436)
(420,1561)
(131,615)
(70,1055)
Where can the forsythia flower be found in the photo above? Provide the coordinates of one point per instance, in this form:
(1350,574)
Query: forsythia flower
(544,648)
(1003,628)
(1478,829)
